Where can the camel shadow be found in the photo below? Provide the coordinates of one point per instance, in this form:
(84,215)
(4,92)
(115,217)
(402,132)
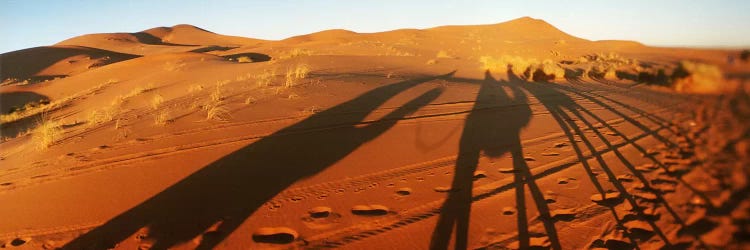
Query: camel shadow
(232,188)
(491,131)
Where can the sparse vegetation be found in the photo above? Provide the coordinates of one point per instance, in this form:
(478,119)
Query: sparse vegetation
(47,132)
(47,106)
(103,115)
(293,74)
(250,100)
(214,111)
(174,65)
(529,68)
(161,117)
(296,52)
(195,88)
(264,79)
(216,95)
(156,101)
(431,62)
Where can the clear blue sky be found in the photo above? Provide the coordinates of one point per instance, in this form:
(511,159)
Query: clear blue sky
(705,23)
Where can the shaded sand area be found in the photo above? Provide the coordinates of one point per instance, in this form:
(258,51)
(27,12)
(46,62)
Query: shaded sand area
(512,135)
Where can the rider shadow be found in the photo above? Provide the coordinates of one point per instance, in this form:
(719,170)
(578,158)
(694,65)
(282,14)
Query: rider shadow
(229,190)
(493,128)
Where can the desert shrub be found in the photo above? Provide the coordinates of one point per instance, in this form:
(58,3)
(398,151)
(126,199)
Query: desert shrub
(547,71)
(47,105)
(296,52)
(161,117)
(216,95)
(214,111)
(46,132)
(431,62)
(264,79)
(156,101)
(293,74)
(526,67)
(690,76)
(102,115)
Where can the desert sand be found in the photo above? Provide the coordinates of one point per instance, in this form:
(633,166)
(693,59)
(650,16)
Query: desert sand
(510,135)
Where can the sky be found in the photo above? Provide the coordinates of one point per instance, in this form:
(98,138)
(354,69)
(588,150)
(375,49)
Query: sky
(685,23)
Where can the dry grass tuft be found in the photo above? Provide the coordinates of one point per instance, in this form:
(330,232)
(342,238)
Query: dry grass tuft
(46,133)
(293,74)
(214,111)
(103,115)
(529,68)
(161,117)
(264,79)
(156,101)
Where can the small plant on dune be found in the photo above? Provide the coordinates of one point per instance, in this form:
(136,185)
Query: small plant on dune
(546,71)
(102,115)
(156,101)
(221,83)
(216,95)
(214,111)
(264,79)
(293,74)
(174,66)
(47,132)
(48,105)
(443,54)
(161,117)
(300,72)
(296,52)
(250,100)
(431,62)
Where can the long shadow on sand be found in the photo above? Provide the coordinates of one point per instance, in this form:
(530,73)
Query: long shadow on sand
(230,189)
(493,132)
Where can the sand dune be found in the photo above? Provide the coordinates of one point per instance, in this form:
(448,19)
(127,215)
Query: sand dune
(510,135)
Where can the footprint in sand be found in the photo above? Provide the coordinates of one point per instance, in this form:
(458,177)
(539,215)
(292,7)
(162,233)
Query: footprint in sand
(550,196)
(565,180)
(479,174)
(560,144)
(625,177)
(403,191)
(319,212)
(506,170)
(275,235)
(370,210)
(509,211)
(443,189)
(550,153)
